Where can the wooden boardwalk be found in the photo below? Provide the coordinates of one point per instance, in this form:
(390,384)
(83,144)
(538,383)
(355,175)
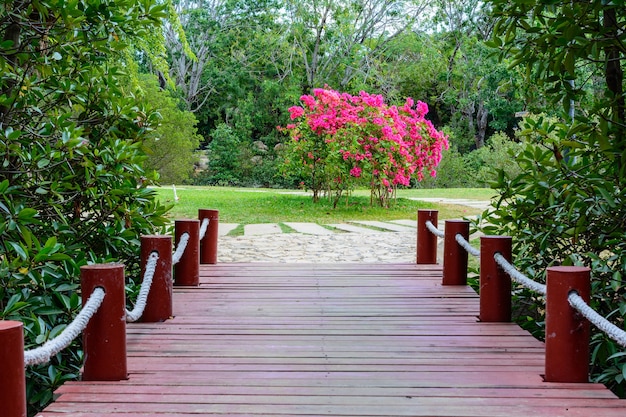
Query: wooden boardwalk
(330,340)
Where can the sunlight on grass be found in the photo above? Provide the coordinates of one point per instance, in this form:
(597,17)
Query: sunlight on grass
(248,206)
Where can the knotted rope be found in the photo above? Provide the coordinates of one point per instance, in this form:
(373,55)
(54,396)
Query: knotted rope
(142,298)
(43,353)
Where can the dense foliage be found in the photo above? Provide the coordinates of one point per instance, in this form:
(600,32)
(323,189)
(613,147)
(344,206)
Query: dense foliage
(72,186)
(171,146)
(566,205)
(339,140)
(256,59)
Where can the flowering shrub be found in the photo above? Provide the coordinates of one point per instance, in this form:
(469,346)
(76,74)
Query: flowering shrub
(339,141)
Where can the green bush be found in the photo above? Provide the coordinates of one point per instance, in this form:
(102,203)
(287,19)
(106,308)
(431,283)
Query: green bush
(171,148)
(72,187)
(565,206)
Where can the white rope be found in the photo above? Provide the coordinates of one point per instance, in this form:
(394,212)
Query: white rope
(43,353)
(204,226)
(614,332)
(433,229)
(518,276)
(466,245)
(182,245)
(142,298)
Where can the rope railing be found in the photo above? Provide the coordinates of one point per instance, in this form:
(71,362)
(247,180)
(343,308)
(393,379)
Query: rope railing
(614,332)
(99,321)
(518,277)
(203,227)
(466,245)
(180,249)
(566,293)
(43,353)
(431,227)
(146,284)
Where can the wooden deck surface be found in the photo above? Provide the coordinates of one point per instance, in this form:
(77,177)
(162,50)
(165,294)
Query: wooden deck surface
(331,340)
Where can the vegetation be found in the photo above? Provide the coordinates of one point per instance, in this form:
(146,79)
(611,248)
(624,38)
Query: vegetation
(565,204)
(171,146)
(72,186)
(339,141)
(255,60)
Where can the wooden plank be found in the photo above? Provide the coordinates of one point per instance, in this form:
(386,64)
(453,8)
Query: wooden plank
(334,339)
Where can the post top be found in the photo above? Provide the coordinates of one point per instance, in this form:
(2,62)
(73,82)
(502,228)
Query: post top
(10,324)
(569,269)
(110,265)
(156,237)
(187,221)
(496,237)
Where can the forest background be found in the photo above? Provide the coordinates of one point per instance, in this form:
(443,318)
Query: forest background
(253,60)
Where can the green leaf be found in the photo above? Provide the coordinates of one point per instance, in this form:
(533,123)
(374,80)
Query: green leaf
(608,197)
(27,214)
(19,250)
(14,305)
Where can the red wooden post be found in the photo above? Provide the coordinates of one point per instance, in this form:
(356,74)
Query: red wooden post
(104,338)
(12,375)
(426,241)
(208,245)
(454,256)
(187,271)
(567,331)
(495,284)
(159,303)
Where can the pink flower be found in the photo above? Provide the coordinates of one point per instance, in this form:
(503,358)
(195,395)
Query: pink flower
(295,112)
(355,172)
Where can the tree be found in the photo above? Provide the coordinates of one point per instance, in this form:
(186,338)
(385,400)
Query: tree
(567,204)
(72,186)
(171,147)
(339,140)
(337,41)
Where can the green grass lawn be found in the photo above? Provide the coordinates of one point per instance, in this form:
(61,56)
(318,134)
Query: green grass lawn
(252,205)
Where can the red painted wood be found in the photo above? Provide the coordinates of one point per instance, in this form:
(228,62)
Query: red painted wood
(12,376)
(159,303)
(338,340)
(567,332)
(187,270)
(426,241)
(454,256)
(104,338)
(495,284)
(208,245)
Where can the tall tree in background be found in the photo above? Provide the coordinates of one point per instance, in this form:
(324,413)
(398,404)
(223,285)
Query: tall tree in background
(338,40)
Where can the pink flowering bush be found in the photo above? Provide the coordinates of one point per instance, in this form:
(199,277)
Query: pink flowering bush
(339,141)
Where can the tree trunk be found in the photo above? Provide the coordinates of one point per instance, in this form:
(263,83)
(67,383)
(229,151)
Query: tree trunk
(482,116)
(614,76)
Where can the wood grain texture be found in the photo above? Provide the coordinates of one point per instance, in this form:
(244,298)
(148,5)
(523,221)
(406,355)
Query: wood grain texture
(332,340)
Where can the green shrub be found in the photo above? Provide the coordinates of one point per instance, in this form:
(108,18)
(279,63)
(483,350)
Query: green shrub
(72,187)
(565,206)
